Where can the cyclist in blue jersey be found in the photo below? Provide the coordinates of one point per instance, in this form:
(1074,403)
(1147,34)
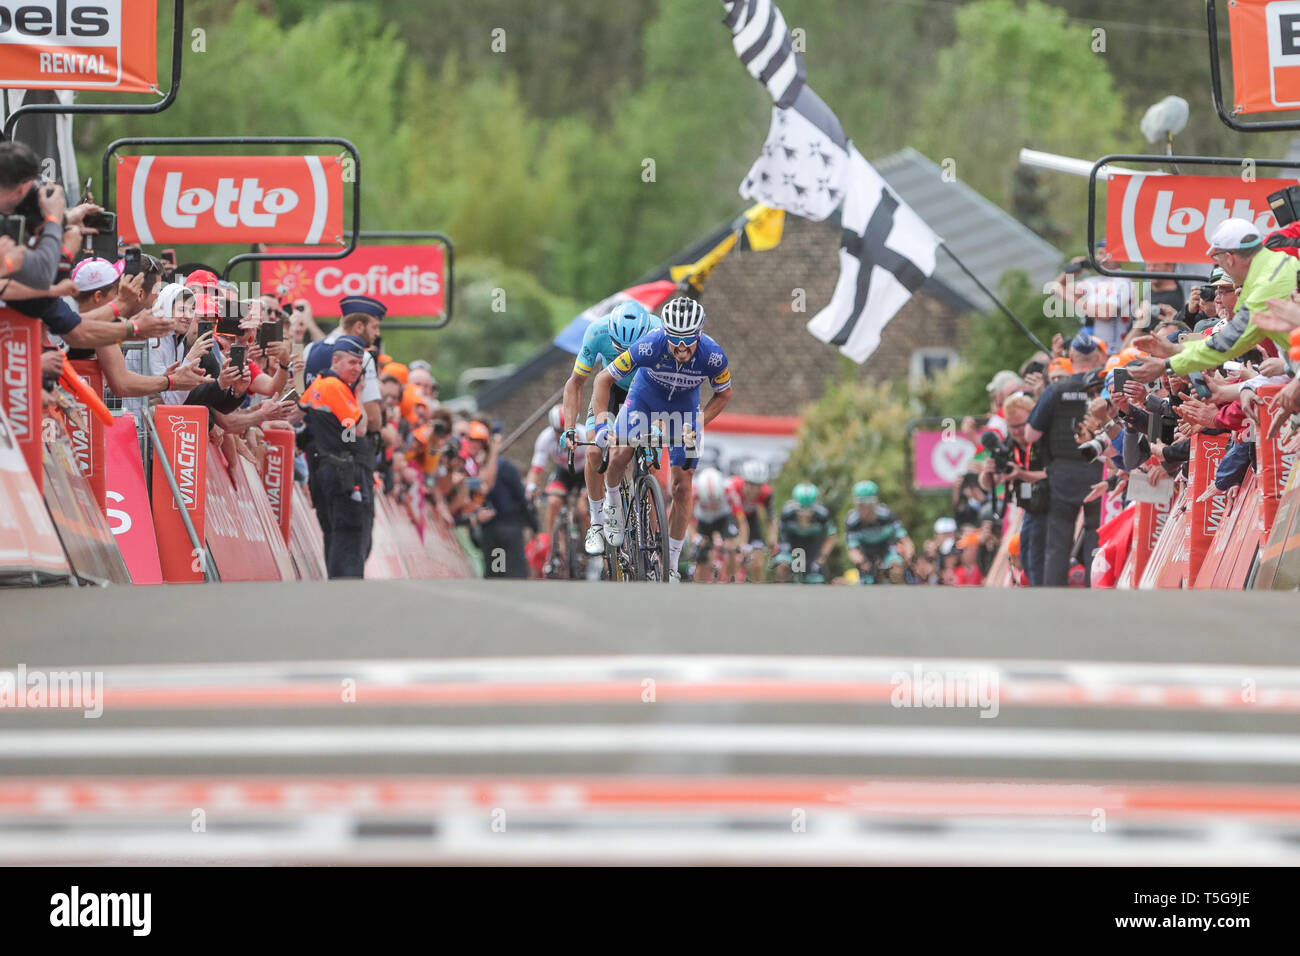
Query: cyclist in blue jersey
(670,365)
(604,341)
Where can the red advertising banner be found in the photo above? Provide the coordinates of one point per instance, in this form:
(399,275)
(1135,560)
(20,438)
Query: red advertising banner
(87,436)
(407,279)
(1149,526)
(87,539)
(79,45)
(1265,38)
(1204,517)
(30,551)
(1274,464)
(1152,218)
(183,433)
(236,535)
(20,385)
(127,495)
(277,477)
(306,544)
(238,199)
(248,486)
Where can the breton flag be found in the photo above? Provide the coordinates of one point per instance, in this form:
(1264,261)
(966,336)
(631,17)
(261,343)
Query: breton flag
(801,168)
(808,167)
(765,47)
(886,254)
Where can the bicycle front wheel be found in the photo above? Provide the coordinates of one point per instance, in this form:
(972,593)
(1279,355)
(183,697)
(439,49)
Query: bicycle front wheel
(651,530)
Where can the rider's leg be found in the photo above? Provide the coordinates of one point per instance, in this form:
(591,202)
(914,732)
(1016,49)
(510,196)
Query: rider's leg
(680,513)
(595,483)
(554,497)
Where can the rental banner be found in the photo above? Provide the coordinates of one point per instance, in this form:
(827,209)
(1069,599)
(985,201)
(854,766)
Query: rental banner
(1265,37)
(409,280)
(1154,218)
(105,45)
(1275,463)
(183,433)
(20,386)
(128,512)
(30,550)
(235,199)
(277,477)
(87,433)
(1204,517)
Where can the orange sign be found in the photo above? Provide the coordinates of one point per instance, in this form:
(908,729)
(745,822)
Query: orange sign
(79,45)
(1274,463)
(1265,55)
(1171,218)
(277,476)
(241,199)
(183,433)
(20,386)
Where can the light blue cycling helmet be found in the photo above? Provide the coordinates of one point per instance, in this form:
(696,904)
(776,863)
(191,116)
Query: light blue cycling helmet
(628,322)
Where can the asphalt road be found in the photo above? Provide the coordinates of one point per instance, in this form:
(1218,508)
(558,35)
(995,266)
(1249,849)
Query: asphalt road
(472,721)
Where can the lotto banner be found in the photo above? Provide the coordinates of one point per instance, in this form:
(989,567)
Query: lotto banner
(277,477)
(1265,38)
(1152,218)
(230,199)
(20,386)
(106,45)
(87,434)
(183,433)
(1274,463)
(1204,517)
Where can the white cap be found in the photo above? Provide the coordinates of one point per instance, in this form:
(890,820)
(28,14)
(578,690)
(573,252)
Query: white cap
(945,526)
(1233,234)
(91,274)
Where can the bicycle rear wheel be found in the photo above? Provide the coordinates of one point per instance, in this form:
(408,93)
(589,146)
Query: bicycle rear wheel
(651,556)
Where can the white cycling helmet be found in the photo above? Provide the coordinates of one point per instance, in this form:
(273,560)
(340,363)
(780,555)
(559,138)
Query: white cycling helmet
(557,417)
(755,472)
(710,487)
(682,316)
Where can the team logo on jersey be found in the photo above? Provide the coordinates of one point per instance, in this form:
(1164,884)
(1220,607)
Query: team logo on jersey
(645,348)
(716,358)
(722,378)
(624,362)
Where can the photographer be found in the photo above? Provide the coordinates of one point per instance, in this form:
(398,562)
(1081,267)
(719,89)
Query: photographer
(1018,463)
(40,205)
(1071,476)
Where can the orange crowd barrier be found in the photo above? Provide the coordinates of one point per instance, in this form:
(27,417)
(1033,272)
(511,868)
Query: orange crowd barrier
(87,433)
(30,549)
(83,530)
(1274,463)
(1203,516)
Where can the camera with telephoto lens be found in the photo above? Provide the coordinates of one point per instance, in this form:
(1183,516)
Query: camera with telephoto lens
(30,207)
(452,447)
(999,450)
(1092,449)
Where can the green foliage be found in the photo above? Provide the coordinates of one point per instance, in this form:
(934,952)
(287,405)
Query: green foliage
(1020,75)
(858,430)
(501,315)
(995,343)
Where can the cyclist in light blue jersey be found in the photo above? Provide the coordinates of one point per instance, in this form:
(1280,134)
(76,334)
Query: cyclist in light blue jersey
(670,365)
(603,342)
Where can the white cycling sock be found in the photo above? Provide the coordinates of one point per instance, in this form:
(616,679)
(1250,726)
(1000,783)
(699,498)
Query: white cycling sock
(675,551)
(613,499)
(595,506)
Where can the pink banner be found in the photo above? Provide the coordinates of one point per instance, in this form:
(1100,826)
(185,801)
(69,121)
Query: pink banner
(939,461)
(127,506)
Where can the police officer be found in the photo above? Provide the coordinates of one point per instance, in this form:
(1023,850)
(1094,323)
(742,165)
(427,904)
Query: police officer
(1069,476)
(340,477)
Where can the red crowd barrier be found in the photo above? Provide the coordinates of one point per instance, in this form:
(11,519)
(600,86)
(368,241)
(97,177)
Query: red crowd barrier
(1274,463)
(1279,559)
(87,434)
(83,529)
(128,511)
(1203,517)
(30,550)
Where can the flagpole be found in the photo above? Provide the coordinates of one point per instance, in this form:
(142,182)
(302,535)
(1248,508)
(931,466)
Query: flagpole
(996,301)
